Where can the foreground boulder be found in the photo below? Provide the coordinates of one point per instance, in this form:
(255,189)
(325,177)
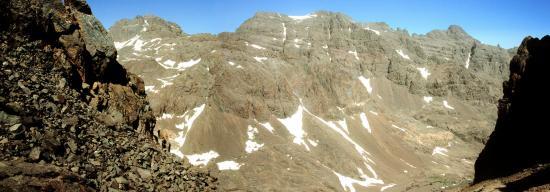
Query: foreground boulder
(71,117)
(520,139)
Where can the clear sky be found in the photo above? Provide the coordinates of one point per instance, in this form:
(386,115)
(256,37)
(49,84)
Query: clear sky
(503,22)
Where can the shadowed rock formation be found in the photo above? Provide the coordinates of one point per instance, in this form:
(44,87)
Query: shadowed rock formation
(71,117)
(520,139)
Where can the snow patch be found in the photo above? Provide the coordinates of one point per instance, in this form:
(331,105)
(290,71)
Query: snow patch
(167,81)
(375,31)
(348,182)
(365,122)
(303,17)
(294,126)
(354,53)
(296,41)
(403,55)
(166,116)
(252,146)
(366,83)
(260,59)
(151,89)
(428,99)
(440,151)
(188,121)
(446,105)
(343,125)
(424,72)
(401,129)
(120,45)
(203,158)
(267,126)
(374,113)
(312,142)
(468,60)
(228,165)
(284,32)
(170,64)
(231,63)
(412,166)
(362,152)
(257,47)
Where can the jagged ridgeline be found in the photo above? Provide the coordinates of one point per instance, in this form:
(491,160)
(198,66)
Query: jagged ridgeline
(319,102)
(71,117)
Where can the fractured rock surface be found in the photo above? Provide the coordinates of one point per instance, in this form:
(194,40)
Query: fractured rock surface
(71,117)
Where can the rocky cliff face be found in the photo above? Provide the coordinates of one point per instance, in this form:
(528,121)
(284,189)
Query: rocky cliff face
(278,104)
(521,135)
(71,117)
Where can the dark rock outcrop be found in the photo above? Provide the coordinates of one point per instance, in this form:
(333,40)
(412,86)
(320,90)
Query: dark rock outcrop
(520,139)
(71,117)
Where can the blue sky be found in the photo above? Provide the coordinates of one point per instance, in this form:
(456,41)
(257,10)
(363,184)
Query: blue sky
(493,22)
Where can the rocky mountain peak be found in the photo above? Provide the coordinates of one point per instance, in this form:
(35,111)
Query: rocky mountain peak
(456,30)
(146,27)
(453,32)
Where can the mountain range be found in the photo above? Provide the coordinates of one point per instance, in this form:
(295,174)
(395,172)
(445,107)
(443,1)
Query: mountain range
(319,102)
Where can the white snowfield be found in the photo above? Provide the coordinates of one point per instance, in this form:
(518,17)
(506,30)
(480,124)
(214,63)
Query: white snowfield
(167,81)
(403,55)
(294,126)
(348,182)
(360,150)
(312,142)
(151,89)
(446,105)
(203,158)
(135,41)
(228,165)
(284,32)
(440,151)
(366,83)
(400,129)
(428,99)
(252,146)
(267,126)
(354,53)
(468,60)
(424,72)
(257,47)
(303,17)
(165,116)
(375,31)
(170,64)
(260,59)
(188,120)
(365,122)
